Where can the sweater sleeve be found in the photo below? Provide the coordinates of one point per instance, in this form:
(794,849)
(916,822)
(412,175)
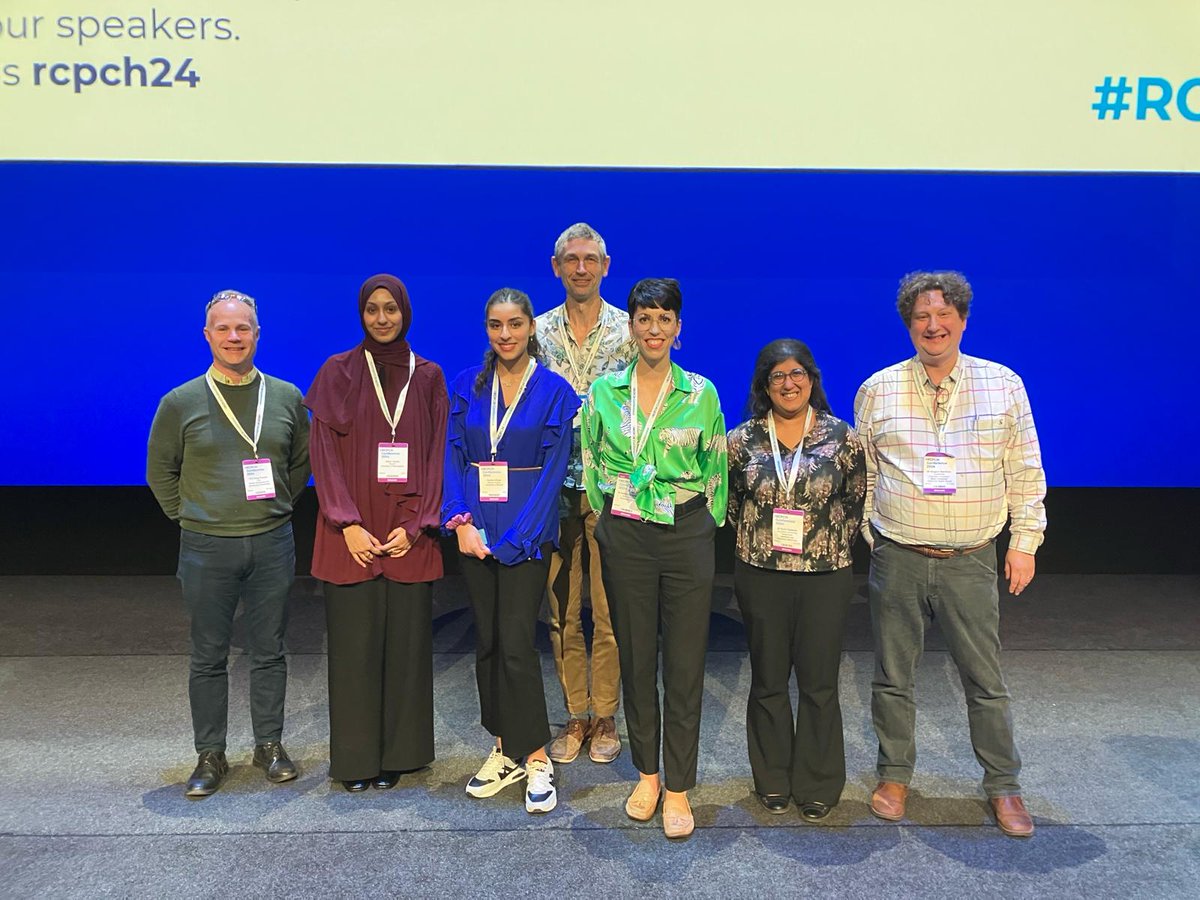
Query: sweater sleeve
(455,465)
(164,456)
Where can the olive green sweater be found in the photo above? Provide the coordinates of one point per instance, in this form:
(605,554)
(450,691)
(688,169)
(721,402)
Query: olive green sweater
(194,458)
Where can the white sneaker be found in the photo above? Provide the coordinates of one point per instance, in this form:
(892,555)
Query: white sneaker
(540,795)
(496,773)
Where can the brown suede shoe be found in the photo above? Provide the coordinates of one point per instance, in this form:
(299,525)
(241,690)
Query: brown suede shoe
(568,742)
(1011,816)
(888,800)
(605,743)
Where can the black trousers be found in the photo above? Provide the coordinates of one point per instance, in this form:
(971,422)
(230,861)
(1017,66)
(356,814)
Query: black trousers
(661,575)
(380,677)
(795,621)
(508,668)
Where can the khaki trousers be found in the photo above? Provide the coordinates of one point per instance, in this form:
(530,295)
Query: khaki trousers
(566,627)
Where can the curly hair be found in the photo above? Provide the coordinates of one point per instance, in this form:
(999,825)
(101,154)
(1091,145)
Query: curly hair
(772,355)
(953,285)
(521,299)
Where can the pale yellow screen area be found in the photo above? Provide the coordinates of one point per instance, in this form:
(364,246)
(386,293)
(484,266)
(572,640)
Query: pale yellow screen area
(908,84)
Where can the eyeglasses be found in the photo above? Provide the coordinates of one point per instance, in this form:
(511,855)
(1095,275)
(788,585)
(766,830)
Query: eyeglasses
(223,296)
(797,375)
(941,411)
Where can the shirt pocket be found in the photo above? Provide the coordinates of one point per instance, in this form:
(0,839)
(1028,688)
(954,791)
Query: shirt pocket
(991,435)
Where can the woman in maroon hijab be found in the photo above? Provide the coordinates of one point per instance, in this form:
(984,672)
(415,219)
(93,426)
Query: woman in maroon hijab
(378,436)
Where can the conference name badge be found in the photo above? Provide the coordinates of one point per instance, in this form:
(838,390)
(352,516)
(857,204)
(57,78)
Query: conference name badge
(940,475)
(624,503)
(493,482)
(258,478)
(393,463)
(787,530)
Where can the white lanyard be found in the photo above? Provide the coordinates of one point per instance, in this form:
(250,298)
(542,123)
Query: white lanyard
(258,416)
(497,431)
(788,482)
(637,446)
(939,431)
(393,418)
(579,379)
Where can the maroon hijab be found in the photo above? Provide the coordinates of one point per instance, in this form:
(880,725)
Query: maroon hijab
(334,391)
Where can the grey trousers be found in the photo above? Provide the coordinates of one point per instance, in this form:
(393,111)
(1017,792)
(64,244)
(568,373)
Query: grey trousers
(907,592)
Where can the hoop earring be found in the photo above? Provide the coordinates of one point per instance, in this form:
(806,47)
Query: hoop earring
(675,345)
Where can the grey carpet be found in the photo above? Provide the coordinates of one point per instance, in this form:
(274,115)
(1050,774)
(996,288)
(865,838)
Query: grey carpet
(95,743)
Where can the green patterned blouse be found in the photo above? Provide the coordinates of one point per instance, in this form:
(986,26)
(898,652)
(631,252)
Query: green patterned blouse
(685,450)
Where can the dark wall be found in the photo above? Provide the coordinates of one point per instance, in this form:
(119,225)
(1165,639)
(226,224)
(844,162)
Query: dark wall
(120,530)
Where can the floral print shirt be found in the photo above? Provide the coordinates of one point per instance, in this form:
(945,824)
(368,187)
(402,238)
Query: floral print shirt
(830,487)
(686,447)
(608,348)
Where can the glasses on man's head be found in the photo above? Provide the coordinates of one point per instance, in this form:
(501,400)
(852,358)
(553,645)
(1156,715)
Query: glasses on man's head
(796,375)
(223,296)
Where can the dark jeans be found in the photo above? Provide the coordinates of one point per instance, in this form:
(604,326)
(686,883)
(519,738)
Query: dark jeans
(508,668)
(380,677)
(795,620)
(217,573)
(907,592)
(661,574)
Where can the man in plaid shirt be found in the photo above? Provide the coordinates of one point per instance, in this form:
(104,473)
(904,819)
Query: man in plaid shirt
(952,455)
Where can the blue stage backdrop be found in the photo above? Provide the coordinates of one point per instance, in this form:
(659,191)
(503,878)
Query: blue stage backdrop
(1086,285)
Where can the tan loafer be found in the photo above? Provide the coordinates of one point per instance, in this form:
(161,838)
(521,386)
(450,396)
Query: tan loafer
(643,802)
(1011,816)
(678,824)
(889,799)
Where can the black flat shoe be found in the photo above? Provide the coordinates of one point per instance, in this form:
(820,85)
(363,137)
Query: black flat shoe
(385,780)
(358,784)
(775,804)
(815,810)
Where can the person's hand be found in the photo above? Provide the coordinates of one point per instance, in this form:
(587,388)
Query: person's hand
(362,544)
(397,544)
(470,542)
(1018,569)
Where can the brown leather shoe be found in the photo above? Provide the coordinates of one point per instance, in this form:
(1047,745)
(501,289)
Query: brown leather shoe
(568,742)
(1011,816)
(605,744)
(888,800)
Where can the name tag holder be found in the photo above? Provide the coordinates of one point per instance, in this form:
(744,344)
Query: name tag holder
(787,530)
(493,482)
(939,474)
(624,502)
(392,463)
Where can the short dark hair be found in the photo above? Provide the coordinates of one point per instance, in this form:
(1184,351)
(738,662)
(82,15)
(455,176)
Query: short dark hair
(772,355)
(953,285)
(656,293)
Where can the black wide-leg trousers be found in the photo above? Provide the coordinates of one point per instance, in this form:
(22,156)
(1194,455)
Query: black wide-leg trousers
(661,575)
(380,677)
(795,621)
(508,668)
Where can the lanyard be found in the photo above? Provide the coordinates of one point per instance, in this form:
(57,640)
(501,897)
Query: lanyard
(939,431)
(788,482)
(579,373)
(637,446)
(237,426)
(497,431)
(393,418)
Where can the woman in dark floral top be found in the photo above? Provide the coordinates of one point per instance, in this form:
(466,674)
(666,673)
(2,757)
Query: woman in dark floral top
(797,479)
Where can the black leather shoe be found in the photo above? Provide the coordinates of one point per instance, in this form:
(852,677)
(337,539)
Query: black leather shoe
(358,784)
(273,759)
(385,780)
(210,771)
(775,804)
(815,810)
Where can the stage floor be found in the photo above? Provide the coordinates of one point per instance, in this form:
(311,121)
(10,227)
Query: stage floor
(96,743)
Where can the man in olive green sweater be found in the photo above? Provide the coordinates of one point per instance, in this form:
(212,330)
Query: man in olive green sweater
(227,457)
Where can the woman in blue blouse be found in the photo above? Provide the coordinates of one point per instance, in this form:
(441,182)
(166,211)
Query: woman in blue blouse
(508,446)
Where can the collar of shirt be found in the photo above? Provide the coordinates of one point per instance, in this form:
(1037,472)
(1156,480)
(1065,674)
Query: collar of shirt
(221,378)
(678,377)
(927,382)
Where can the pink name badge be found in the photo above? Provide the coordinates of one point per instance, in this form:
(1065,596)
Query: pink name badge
(393,463)
(624,503)
(940,475)
(258,479)
(787,530)
(493,482)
